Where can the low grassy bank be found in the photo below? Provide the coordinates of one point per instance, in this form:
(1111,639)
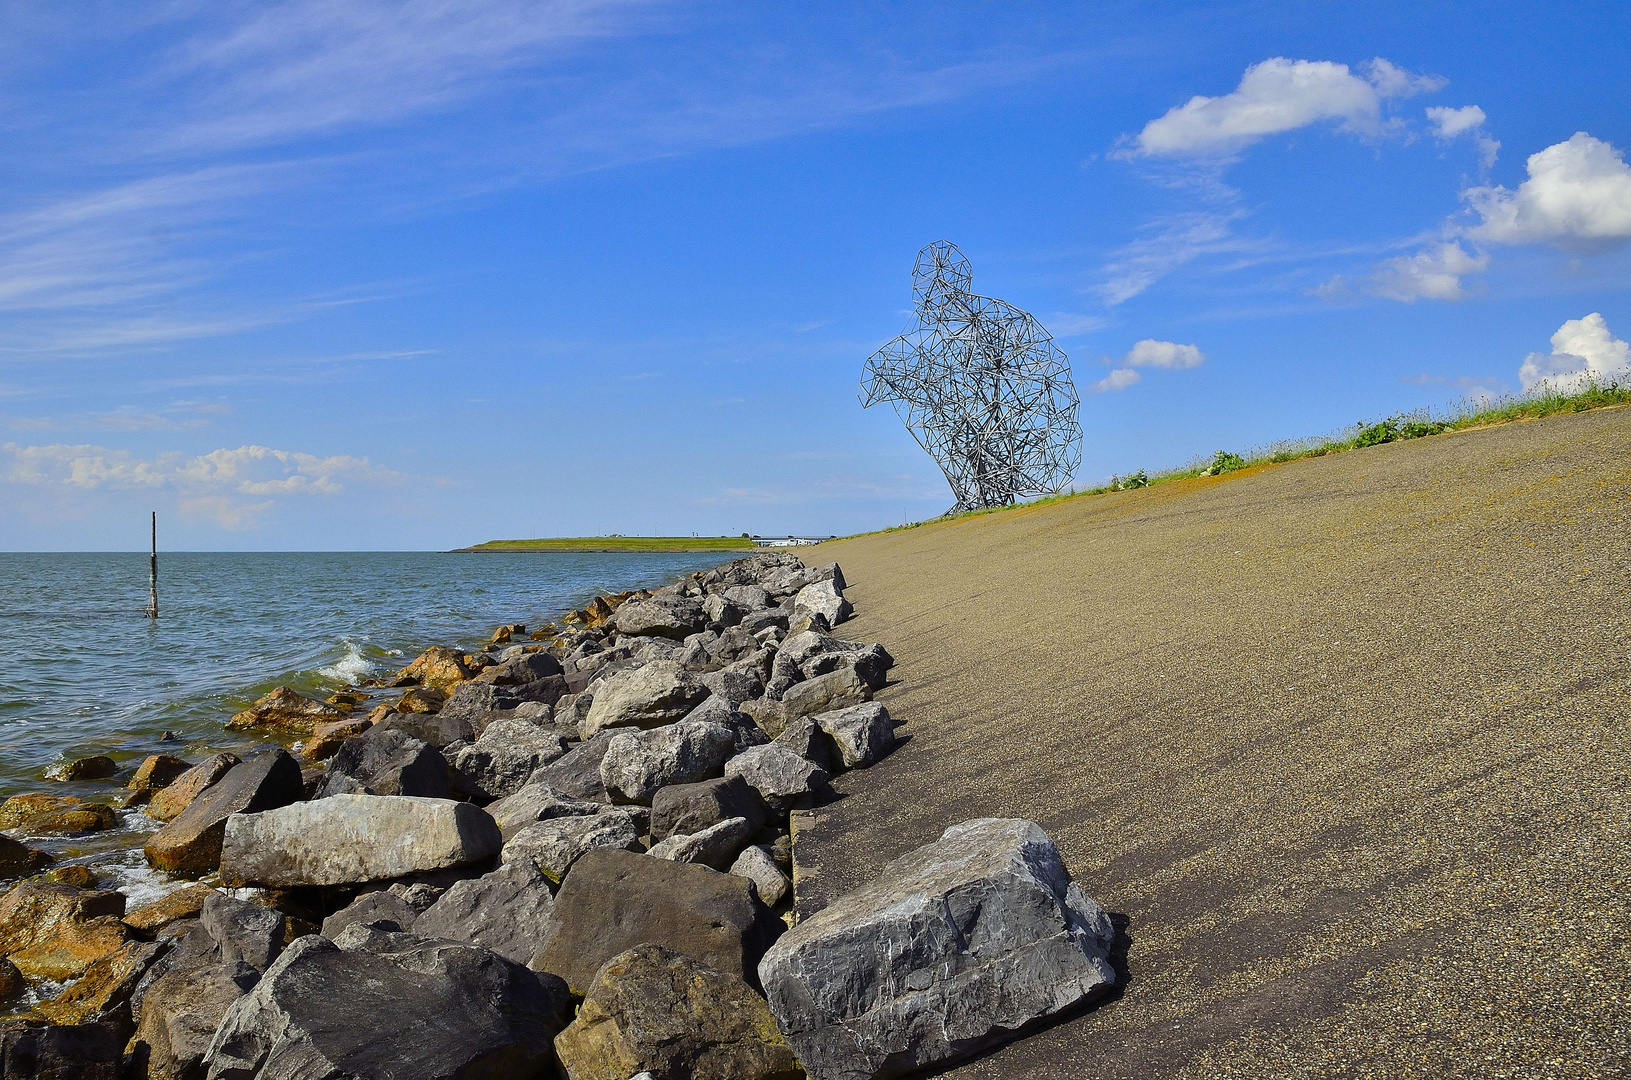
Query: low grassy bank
(618,543)
(1396,428)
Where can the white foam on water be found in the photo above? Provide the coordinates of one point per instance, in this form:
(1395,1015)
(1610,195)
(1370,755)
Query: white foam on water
(140,883)
(351,668)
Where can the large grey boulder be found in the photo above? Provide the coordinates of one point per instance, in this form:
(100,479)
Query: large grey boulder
(806,739)
(522,669)
(508,911)
(691,808)
(861,733)
(386,909)
(384,761)
(665,1014)
(954,948)
(660,616)
(183,997)
(659,693)
(822,599)
(731,687)
(553,845)
(835,690)
(721,611)
(614,900)
(640,763)
(716,846)
(720,710)
(748,597)
(391,1005)
(504,758)
(438,730)
(347,839)
(538,802)
(781,777)
(577,775)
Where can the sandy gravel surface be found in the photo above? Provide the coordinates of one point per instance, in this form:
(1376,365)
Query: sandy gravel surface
(1341,743)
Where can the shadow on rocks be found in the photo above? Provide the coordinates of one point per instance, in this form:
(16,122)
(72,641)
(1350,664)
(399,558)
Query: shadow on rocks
(1119,947)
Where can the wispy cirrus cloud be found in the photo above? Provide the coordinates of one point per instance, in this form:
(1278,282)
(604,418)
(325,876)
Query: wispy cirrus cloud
(245,109)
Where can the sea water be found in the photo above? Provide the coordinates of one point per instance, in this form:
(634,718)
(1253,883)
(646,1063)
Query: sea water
(84,671)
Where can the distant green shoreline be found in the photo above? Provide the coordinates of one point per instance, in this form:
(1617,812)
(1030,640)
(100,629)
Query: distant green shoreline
(618,543)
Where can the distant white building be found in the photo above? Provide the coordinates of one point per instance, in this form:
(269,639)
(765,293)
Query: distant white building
(789,541)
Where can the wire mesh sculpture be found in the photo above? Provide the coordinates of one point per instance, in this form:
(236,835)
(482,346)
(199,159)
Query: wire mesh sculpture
(981,386)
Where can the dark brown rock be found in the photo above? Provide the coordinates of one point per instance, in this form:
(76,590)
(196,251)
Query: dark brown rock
(612,901)
(689,808)
(169,802)
(98,767)
(155,773)
(386,761)
(31,1050)
(191,844)
(17,859)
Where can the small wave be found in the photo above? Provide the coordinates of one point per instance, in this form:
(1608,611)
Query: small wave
(353,667)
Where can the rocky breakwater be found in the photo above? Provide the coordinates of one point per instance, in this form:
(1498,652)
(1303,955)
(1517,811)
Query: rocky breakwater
(565,856)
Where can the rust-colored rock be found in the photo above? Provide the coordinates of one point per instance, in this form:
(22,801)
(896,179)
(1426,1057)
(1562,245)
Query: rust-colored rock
(421,699)
(17,859)
(55,931)
(97,767)
(658,1012)
(54,814)
(106,984)
(288,711)
(438,667)
(18,809)
(184,903)
(156,773)
(326,738)
(168,803)
(77,876)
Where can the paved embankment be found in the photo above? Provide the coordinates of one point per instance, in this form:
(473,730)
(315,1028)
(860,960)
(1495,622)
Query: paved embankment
(1342,743)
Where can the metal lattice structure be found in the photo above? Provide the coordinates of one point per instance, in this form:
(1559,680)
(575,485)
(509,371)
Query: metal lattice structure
(981,386)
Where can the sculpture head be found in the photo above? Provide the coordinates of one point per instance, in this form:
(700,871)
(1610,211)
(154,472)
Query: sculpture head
(941,274)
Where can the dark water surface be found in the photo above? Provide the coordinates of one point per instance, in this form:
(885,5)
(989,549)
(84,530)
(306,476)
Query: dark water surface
(83,671)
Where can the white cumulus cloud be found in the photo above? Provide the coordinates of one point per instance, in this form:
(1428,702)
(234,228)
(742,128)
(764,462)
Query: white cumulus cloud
(1432,274)
(1119,379)
(1583,352)
(1275,96)
(247,470)
(1449,123)
(1578,196)
(1163,354)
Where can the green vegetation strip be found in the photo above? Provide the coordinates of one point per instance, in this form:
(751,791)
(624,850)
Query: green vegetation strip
(619,543)
(1468,414)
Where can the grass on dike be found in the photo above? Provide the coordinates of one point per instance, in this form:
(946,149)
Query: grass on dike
(620,543)
(1412,425)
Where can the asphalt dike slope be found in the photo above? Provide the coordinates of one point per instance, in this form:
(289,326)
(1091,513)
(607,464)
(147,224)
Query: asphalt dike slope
(1341,743)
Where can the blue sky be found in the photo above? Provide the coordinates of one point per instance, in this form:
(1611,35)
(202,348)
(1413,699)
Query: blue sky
(328,274)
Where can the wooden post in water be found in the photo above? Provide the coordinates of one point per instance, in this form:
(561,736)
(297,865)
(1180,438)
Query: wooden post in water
(153,572)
